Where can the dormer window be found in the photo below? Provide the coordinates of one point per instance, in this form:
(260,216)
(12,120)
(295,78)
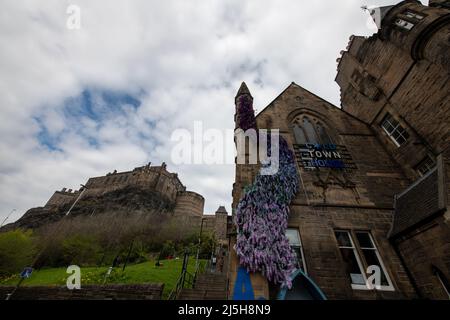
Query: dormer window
(406,25)
(394,130)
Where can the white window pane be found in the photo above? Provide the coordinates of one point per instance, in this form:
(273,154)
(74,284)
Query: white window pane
(357,278)
(293,237)
(411,14)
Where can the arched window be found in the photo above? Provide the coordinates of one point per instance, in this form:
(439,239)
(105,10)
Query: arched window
(323,134)
(299,135)
(309,130)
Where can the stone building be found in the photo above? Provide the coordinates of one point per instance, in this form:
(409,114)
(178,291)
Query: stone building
(144,190)
(374,172)
(407,68)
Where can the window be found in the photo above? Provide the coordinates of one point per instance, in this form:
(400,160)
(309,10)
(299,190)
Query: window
(324,137)
(404,24)
(442,279)
(299,135)
(372,258)
(294,241)
(353,265)
(308,130)
(357,264)
(425,166)
(394,130)
(411,14)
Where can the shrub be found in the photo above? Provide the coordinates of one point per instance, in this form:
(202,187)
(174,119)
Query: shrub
(82,250)
(16,251)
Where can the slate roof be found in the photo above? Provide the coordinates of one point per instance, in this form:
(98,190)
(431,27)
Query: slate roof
(417,203)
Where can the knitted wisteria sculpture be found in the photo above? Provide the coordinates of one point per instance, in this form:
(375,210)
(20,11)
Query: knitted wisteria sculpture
(262,213)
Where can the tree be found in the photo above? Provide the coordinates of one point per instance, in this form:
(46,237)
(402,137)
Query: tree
(17,249)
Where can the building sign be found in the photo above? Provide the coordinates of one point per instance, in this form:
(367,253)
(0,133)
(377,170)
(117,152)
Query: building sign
(312,156)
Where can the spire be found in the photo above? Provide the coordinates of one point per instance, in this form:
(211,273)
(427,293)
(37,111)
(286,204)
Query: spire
(243,89)
(245,115)
(221,210)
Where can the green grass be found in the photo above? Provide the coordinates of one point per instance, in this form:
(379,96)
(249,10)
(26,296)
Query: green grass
(145,272)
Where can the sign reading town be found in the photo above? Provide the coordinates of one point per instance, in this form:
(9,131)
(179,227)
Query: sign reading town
(312,156)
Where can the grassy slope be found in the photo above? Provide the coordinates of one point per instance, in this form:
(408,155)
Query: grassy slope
(145,272)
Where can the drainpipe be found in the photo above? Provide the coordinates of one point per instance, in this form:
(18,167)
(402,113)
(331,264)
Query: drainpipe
(408,272)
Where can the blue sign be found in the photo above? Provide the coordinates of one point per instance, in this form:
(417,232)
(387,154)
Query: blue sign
(321,155)
(26,273)
(243,289)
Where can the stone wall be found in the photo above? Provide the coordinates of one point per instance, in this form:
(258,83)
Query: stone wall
(189,203)
(146,190)
(330,199)
(147,177)
(410,71)
(63,197)
(415,248)
(88,292)
(324,263)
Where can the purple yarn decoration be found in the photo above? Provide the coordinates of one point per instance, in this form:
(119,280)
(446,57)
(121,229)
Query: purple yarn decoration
(246,114)
(262,214)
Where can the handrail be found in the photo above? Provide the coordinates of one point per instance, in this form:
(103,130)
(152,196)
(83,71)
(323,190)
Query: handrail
(181,279)
(187,279)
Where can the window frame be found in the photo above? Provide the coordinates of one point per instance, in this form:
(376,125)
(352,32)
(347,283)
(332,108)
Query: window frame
(361,261)
(438,274)
(428,162)
(297,129)
(305,268)
(390,286)
(404,24)
(397,128)
(413,15)
(310,125)
(358,259)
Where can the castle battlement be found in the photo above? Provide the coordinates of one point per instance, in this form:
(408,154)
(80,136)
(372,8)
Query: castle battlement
(155,179)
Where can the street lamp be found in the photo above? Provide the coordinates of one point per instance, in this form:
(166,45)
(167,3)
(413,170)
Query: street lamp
(199,242)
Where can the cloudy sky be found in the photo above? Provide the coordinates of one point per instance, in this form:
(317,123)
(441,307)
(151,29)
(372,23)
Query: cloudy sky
(77,103)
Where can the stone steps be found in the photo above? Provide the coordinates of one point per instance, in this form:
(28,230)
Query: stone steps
(208,286)
(198,294)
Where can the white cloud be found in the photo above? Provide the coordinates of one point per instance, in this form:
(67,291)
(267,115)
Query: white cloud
(184,60)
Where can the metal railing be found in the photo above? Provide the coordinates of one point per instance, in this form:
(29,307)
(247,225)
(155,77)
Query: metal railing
(186,278)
